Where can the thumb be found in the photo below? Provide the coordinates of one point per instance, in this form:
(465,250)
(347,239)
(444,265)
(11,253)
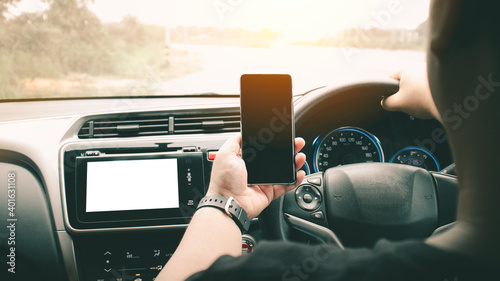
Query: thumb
(231,146)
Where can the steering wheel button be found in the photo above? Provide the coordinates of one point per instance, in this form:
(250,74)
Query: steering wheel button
(315,181)
(308,198)
(318,215)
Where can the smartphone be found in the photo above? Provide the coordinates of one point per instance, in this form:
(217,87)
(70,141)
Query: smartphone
(267,128)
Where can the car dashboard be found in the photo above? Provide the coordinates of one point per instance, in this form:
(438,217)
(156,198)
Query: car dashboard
(51,147)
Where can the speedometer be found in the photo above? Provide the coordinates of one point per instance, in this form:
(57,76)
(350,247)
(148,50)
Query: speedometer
(348,145)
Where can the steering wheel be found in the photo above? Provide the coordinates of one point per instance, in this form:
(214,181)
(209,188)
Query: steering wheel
(356,205)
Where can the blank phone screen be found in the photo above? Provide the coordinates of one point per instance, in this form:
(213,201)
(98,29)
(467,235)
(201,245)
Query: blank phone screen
(267,128)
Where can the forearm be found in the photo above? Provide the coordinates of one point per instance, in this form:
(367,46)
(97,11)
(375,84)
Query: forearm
(210,234)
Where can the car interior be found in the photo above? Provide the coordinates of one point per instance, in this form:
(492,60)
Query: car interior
(112,113)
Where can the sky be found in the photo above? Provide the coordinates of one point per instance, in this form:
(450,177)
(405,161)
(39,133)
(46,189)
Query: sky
(296,19)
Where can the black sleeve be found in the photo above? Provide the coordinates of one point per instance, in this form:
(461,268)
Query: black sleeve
(386,261)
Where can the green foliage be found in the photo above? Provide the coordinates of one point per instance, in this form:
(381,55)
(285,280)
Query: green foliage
(67,41)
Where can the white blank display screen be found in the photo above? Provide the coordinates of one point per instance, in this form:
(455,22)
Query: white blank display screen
(132,185)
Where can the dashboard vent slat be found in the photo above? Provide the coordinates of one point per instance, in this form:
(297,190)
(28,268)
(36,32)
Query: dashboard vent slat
(118,122)
(207,123)
(128,126)
(214,121)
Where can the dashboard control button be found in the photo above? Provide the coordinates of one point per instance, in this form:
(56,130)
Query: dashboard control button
(156,267)
(318,215)
(156,253)
(92,153)
(130,255)
(212,155)
(247,243)
(189,149)
(315,181)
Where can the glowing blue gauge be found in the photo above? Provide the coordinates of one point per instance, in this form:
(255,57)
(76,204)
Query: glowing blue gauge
(416,156)
(347,145)
(306,169)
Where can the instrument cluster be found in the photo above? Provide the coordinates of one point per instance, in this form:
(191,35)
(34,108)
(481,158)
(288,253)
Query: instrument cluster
(351,145)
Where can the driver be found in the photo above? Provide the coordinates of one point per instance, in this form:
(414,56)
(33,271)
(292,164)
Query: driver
(462,91)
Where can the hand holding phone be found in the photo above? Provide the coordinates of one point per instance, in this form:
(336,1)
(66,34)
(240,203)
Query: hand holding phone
(267,126)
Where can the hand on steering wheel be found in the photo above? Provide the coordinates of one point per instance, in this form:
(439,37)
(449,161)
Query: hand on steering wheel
(414,96)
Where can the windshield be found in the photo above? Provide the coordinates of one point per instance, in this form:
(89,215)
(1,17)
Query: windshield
(82,48)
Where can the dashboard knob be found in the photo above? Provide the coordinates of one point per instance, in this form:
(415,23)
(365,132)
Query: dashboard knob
(247,243)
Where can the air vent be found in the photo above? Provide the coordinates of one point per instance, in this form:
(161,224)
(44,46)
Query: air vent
(175,123)
(207,123)
(125,127)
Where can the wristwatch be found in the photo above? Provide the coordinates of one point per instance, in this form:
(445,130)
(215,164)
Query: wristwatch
(230,207)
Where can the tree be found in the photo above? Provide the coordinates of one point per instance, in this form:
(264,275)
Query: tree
(4,7)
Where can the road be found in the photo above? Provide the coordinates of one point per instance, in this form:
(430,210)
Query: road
(309,66)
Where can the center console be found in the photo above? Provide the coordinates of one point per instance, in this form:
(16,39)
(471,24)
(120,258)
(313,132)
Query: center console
(127,207)
(132,256)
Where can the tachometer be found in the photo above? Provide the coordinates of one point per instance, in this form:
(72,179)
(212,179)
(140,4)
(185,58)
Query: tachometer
(345,146)
(416,156)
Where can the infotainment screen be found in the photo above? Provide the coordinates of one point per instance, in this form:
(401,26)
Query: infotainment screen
(132,185)
(134,189)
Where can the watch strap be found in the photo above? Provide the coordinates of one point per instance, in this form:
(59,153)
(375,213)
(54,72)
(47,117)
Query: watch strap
(230,207)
